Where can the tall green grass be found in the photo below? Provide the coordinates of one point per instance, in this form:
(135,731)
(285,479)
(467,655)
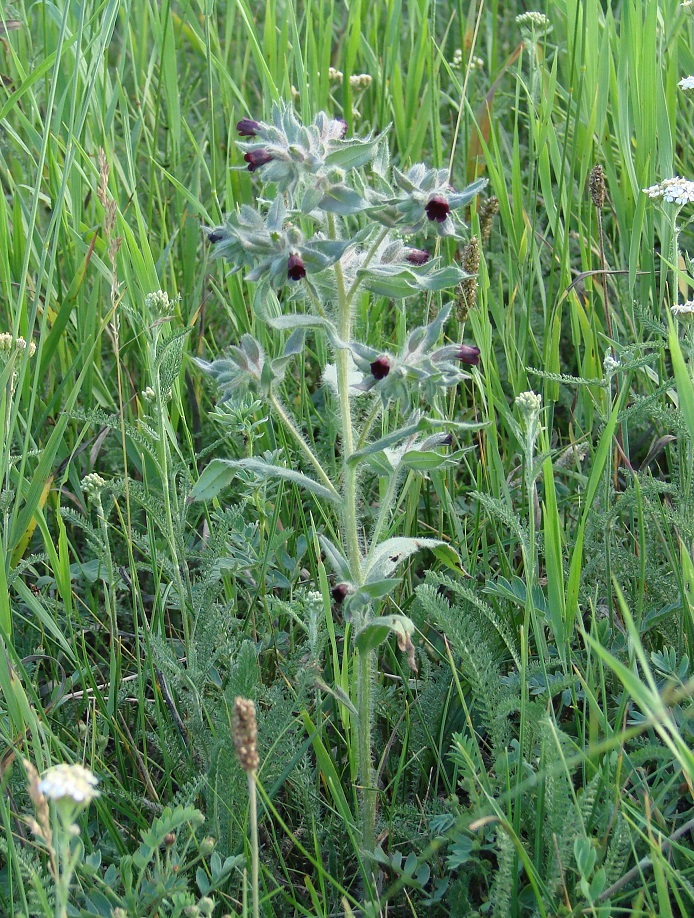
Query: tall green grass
(575,615)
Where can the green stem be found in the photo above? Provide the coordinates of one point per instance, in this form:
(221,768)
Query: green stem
(367,778)
(349,471)
(303,445)
(253,820)
(364,659)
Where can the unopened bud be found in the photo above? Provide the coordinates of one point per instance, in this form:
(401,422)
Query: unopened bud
(245,733)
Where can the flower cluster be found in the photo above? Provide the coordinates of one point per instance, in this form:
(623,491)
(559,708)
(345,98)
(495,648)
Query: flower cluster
(536,23)
(289,151)
(686,84)
(74,782)
(419,366)
(683,312)
(673,191)
(8,344)
(423,197)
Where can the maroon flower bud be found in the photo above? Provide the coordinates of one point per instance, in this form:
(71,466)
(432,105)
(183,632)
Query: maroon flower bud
(295,267)
(216,235)
(417,256)
(469,354)
(340,592)
(446,440)
(257,158)
(344,125)
(438,208)
(247,127)
(381,367)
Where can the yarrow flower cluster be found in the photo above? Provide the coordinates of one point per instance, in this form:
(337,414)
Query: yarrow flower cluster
(92,485)
(536,23)
(8,343)
(686,84)
(687,7)
(74,782)
(673,191)
(683,312)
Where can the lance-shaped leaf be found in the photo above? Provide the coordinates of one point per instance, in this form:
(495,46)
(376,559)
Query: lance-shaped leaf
(387,556)
(335,558)
(343,200)
(390,440)
(378,630)
(298,320)
(353,154)
(220,472)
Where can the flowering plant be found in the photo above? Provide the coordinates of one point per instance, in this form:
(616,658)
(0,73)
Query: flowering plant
(340,224)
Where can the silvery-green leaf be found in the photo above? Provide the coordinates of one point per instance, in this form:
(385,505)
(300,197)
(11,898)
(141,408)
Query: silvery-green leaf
(298,320)
(322,253)
(335,558)
(449,276)
(460,198)
(426,460)
(386,442)
(352,154)
(295,343)
(397,286)
(340,199)
(310,199)
(390,554)
(379,628)
(223,470)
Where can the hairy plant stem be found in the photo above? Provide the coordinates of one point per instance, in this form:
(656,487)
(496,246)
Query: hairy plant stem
(365,659)
(291,428)
(253,823)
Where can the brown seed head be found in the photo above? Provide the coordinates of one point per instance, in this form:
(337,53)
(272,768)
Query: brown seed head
(596,186)
(488,211)
(245,733)
(467,292)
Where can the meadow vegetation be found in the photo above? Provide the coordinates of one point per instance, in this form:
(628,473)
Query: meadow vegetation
(347,503)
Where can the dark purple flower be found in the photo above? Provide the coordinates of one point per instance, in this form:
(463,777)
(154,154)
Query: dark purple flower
(257,158)
(340,592)
(381,367)
(437,208)
(417,256)
(344,125)
(216,235)
(295,267)
(469,354)
(247,127)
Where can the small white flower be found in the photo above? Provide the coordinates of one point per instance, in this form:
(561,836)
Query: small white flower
(334,75)
(610,364)
(360,81)
(536,22)
(529,403)
(683,312)
(686,84)
(69,781)
(674,190)
(688,7)
(92,485)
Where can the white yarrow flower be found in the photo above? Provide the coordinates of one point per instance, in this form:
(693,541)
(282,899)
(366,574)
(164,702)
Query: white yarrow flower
(686,84)
(537,22)
(683,312)
(673,191)
(69,781)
